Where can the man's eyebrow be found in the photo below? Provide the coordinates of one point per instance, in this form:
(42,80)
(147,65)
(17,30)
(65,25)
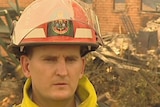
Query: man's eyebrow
(74,56)
(56,56)
(49,56)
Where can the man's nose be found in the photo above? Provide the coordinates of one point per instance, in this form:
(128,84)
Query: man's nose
(62,68)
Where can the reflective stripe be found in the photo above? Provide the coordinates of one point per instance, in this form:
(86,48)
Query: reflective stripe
(83,33)
(80,33)
(36,33)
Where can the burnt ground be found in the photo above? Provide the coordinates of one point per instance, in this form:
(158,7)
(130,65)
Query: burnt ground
(122,84)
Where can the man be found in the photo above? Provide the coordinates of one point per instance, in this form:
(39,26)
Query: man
(51,39)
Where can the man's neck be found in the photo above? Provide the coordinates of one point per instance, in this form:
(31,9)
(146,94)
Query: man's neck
(46,103)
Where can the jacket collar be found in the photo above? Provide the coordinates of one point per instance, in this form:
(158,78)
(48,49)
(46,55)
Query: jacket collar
(86,93)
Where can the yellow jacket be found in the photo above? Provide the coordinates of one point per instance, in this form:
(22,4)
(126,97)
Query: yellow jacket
(85,92)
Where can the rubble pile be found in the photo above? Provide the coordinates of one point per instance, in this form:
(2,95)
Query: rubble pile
(10,92)
(123,78)
(10,86)
(152,25)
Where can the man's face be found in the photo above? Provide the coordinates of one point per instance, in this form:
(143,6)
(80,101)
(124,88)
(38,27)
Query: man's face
(55,71)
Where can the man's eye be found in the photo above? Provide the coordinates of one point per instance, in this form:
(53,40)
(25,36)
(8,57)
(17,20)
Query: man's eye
(51,59)
(70,59)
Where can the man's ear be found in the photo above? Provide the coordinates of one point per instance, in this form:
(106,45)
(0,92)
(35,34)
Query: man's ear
(24,60)
(83,66)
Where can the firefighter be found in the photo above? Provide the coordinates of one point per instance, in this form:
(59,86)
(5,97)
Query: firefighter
(51,39)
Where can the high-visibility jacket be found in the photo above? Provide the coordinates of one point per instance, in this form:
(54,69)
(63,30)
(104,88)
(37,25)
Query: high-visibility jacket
(85,92)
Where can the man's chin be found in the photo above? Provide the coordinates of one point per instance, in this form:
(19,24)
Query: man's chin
(61,96)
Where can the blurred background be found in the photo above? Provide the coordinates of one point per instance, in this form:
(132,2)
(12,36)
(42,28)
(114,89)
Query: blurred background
(125,71)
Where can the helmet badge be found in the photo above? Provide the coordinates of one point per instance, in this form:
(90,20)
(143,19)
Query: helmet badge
(60,26)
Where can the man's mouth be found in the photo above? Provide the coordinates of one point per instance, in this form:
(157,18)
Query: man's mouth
(61,84)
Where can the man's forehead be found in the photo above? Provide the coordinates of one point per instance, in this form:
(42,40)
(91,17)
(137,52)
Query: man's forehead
(57,46)
(58,49)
